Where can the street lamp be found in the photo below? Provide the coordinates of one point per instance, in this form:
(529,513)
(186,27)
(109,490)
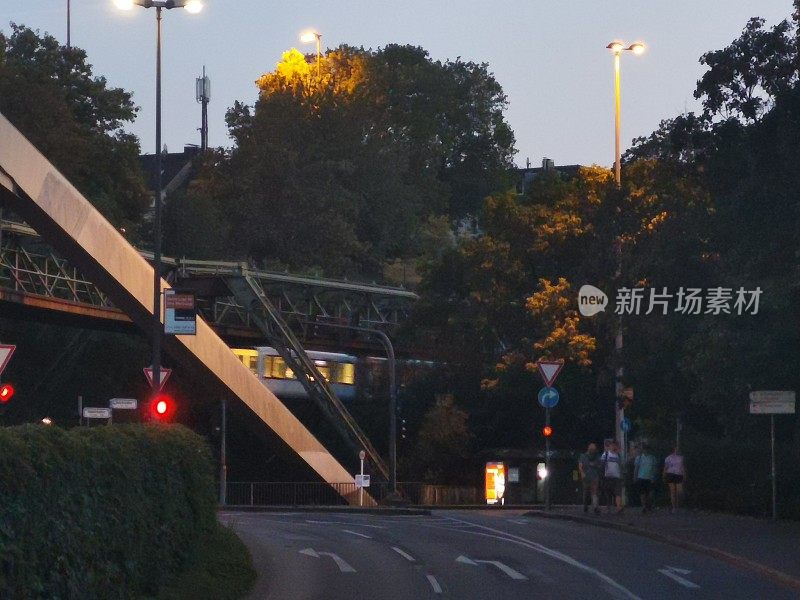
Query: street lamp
(617,48)
(309,36)
(194,7)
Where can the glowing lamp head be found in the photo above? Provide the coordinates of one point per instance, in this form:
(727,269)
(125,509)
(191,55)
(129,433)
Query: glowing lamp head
(616,47)
(308,37)
(124,4)
(547,431)
(6,391)
(161,407)
(193,6)
(638,48)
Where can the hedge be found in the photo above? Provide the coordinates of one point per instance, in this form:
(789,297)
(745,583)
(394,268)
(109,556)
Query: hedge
(102,512)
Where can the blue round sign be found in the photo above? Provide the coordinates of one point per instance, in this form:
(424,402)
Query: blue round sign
(548,397)
(625,424)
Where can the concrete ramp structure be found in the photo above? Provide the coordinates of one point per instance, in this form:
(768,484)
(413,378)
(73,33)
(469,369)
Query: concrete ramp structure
(34,189)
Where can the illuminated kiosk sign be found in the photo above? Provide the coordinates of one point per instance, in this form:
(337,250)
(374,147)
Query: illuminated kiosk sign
(179,313)
(495,482)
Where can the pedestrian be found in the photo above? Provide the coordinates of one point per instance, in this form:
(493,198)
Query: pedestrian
(630,476)
(612,476)
(675,477)
(645,470)
(589,467)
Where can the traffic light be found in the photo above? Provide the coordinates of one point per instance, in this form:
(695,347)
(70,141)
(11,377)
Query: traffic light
(162,408)
(6,391)
(547,431)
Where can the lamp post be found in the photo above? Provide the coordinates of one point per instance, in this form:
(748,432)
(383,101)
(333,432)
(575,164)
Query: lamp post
(617,48)
(192,6)
(307,38)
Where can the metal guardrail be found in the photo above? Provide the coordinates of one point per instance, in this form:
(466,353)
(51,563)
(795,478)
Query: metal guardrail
(268,493)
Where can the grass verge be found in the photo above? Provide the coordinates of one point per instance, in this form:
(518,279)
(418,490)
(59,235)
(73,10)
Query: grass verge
(223,571)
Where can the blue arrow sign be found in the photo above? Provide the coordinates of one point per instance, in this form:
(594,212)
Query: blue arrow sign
(548,397)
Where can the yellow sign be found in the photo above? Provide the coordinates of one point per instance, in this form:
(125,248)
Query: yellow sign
(495,482)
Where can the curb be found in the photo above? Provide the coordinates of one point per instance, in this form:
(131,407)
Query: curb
(741,562)
(375,510)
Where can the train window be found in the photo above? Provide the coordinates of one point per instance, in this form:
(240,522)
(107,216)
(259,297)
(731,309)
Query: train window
(248,357)
(346,373)
(324,368)
(276,368)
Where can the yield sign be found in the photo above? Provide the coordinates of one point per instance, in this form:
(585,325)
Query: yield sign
(549,370)
(6,350)
(163,376)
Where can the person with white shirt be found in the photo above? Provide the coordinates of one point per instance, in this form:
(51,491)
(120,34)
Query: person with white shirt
(675,477)
(612,476)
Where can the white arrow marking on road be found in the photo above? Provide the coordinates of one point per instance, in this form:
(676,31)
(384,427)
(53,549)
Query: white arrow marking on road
(340,562)
(358,534)
(671,572)
(437,589)
(404,554)
(503,567)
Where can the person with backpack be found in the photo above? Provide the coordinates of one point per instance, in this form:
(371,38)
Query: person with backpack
(612,471)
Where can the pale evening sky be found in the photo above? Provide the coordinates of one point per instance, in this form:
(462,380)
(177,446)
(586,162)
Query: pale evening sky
(550,57)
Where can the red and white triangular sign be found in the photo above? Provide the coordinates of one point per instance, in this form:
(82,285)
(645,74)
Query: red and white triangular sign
(549,370)
(163,375)
(6,350)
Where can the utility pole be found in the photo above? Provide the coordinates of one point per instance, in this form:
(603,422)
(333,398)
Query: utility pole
(223,461)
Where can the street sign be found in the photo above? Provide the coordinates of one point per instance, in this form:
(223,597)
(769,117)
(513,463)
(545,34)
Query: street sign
(625,424)
(772,403)
(96,412)
(548,397)
(362,455)
(123,403)
(180,317)
(6,350)
(362,481)
(163,375)
(549,370)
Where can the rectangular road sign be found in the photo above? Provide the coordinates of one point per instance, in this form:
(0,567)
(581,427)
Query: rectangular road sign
(362,481)
(179,313)
(123,403)
(772,402)
(96,412)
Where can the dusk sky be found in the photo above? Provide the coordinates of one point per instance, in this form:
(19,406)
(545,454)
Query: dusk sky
(550,57)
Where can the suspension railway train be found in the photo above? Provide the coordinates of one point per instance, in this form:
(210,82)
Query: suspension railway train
(339,370)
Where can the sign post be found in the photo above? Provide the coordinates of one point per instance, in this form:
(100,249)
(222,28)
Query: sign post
(163,375)
(361,456)
(548,398)
(772,403)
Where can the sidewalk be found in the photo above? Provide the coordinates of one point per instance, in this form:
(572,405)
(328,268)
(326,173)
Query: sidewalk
(769,548)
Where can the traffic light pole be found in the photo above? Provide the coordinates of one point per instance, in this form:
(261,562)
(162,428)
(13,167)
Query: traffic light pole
(547,461)
(223,462)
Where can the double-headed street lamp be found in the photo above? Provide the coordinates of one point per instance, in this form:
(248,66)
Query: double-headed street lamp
(309,36)
(194,7)
(617,48)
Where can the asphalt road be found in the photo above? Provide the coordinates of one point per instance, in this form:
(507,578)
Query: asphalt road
(475,555)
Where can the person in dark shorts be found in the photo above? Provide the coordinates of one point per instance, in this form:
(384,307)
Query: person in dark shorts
(612,476)
(645,469)
(589,467)
(675,477)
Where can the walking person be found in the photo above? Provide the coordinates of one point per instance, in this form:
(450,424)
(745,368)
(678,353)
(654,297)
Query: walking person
(612,476)
(645,469)
(589,467)
(675,477)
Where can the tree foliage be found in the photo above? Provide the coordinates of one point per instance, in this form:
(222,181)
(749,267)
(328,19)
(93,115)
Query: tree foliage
(74,118)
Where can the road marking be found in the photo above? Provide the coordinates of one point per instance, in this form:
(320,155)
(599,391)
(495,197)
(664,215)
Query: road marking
(404,554)
(496,563)
(520,541)
(369,537)
(672,573)
(437,589)
(518,521)
(340,562)
(344,523)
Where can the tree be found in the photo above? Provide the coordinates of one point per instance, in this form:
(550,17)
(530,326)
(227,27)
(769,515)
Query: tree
(49,93)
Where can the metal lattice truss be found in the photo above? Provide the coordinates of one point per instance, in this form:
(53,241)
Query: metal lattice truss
(29,267)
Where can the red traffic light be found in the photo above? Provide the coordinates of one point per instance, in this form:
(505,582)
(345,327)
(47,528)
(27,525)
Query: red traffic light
(547,431)
(6,391)
(162,408)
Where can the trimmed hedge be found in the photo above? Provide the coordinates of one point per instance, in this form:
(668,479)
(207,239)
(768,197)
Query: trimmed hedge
(102,512)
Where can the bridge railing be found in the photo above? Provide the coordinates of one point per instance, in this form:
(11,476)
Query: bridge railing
(269,493)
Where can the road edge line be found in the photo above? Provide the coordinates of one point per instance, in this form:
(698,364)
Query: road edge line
(736,560)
